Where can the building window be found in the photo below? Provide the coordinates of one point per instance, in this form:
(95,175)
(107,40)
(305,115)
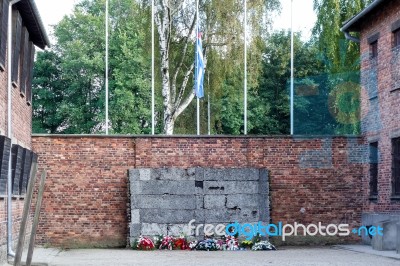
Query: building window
(374,49)
(3,32)
(16,39)
(396,33)
(29,72)
(396,38)
(373,169)
(396,166)
(373,44)
(24,60)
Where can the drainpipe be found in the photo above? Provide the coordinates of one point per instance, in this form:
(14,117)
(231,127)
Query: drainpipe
(9,129)
(351,38)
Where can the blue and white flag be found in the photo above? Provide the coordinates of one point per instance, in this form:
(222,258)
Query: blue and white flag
(199,72)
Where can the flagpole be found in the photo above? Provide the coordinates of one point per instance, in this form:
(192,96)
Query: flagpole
(245,67)
(291,72)
(197,35)
(152,71)
(209,106)
(209,115)
(198,116)
(107,122)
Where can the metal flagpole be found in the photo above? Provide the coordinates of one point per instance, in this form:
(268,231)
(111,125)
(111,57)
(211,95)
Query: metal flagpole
(197,36)
(209,105)
(291,73)
(107,124)
(152,70)
(245,67)
(198,116)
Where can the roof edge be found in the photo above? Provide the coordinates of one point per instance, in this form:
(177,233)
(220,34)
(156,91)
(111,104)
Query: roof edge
(39,21)
(356,18)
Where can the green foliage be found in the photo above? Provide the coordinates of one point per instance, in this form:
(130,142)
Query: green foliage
(69,82)
(134,244)
(247,244)
(230,121)
(269,101)
(221,23)
(76,68)
(341,59)
(340,54)
(80,50)
(131,93)
(49,94)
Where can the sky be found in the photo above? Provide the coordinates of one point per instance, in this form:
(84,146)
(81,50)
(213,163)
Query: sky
(303,17)
(53,11)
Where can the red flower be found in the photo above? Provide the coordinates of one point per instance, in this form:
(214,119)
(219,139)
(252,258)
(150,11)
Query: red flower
(181,243)
(145,243)
(167,242)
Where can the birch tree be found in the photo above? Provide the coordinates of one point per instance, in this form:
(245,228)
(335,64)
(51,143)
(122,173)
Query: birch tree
(174,99)
(222,27)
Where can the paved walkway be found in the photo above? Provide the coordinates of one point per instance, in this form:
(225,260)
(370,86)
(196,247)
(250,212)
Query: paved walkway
(318,256)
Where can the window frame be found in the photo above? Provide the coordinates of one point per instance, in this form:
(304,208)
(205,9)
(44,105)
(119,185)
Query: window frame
(29,73)
(24,60)
(395,28)
(373,45)
(396,167)
(373,169)
(396,38)
(3,33)
(373,49)
(16,40)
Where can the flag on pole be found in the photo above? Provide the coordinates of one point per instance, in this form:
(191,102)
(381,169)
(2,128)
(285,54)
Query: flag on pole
(199,76)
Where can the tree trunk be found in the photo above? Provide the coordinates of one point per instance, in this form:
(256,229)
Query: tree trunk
(169,126)
(173,102)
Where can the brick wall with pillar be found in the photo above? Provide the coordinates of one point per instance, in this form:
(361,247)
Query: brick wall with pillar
(86,202)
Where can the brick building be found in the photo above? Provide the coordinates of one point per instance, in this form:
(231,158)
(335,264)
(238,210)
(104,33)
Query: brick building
(378,26)
(27,32)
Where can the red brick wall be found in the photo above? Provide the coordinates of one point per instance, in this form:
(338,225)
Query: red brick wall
(21,114)
(85,201)
(381,74)
(22,117)
(22,130)
(18,205)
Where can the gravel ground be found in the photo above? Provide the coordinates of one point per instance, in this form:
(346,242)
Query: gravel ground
(292,256)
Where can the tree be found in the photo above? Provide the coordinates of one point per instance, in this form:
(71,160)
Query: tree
(130,98)
(78,72)
(80,49)
(176,24)
(269,100)
(49,94)
(341,60)
(340,54)
(80,44)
